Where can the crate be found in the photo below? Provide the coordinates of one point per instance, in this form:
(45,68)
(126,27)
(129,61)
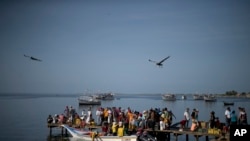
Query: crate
(217,131)
(203,124)
(210,131)
(214,131)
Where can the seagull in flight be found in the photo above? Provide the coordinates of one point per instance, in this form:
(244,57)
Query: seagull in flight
(159,63)
(32,58)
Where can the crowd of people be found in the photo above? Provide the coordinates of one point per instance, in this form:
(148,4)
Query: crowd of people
(114,119)
(231,118)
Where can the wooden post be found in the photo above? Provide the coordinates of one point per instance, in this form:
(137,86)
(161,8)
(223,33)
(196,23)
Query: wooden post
(62,131)
(66,132)
(186,137)
(206,138)
(197,138)
(50,131)
(168,136)
(176,137)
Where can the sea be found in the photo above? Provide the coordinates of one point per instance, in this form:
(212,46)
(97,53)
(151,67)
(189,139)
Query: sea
(23,116)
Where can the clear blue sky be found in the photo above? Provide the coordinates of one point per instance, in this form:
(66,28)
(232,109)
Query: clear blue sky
(105,46)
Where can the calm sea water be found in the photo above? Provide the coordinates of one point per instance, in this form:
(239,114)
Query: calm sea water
(23,116)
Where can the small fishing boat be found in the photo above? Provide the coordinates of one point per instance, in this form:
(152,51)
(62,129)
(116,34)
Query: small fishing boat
(168,97)
(108,96)
(104,96)
(198,97)
(183,97)
(97,137)
(88,100)
(209,98)
(228,103)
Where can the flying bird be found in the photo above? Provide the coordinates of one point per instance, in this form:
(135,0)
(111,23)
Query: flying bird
(159,63)
(32,58)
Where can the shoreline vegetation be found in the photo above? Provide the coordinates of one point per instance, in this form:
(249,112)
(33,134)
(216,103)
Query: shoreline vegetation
(234,93)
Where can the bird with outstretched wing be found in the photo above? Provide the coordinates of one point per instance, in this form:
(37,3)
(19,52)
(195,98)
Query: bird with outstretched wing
(32,58)
(160,64)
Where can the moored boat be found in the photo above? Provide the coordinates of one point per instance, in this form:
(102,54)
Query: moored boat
(198,97)
(89,137)
(108,96)
(228,103)
(183,97)
(209,98)
(88,100)
(168,97)
(104,96)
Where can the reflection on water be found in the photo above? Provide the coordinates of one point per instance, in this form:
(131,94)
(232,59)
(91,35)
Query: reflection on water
(58,138)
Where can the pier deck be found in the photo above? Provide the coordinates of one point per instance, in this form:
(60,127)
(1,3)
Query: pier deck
(187,132)
(58,125)
(165,134)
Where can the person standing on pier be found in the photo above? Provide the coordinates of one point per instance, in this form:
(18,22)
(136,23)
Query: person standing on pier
(212,120)
(187,117)
(66,111)
(89,115)
(195,114)
(72,114)
(83,114)
(98,116)
(242,116)
(233,118)
(228,116)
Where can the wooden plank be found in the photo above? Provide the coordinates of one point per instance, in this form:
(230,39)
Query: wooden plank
(176,133)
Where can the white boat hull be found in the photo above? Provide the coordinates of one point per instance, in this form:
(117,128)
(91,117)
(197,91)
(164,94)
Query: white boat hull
(198,97)
(75,134)
(209,98)
(86,100)
(82,102)
(168,97)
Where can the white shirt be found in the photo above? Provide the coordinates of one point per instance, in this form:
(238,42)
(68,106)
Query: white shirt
(89,113)
(227,114)
(186,114)
(162,125)
(98,113)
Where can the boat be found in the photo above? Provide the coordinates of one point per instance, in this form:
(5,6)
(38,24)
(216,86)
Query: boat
(228,103)
(183,97)
(88,100)
(98,96)
(198,97)
(88,137)
(108,96)
(104,96)
(209,98)
(168,97)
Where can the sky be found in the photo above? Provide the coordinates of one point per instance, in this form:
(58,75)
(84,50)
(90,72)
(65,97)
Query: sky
(105,45)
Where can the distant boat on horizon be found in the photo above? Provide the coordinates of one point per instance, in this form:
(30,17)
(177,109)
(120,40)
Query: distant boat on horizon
(88,100)
(228,103)
(104,96)
(183,97)
(168,97)
(198,97)
(209,98)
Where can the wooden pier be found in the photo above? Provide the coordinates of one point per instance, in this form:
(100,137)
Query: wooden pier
(58,125)
(165,134)
(54,125)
